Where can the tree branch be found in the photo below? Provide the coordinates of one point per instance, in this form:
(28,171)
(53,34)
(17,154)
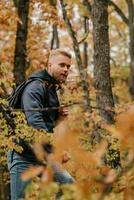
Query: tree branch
(119,11)
(87,4)
(84,37)
(83,74)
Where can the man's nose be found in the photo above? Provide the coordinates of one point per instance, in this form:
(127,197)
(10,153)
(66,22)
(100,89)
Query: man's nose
(66,68)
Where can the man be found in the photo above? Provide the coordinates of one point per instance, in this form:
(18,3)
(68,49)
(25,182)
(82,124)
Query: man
(40,92)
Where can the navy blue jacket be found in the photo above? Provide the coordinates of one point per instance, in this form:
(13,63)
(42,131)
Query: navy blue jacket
(38,94)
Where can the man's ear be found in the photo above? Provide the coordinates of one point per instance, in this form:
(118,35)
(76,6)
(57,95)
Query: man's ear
(49,66)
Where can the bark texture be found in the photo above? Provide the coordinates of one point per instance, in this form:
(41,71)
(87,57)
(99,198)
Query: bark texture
(20,55)
(104,97)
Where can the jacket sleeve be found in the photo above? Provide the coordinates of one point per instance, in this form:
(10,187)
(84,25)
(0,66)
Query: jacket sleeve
(33,98)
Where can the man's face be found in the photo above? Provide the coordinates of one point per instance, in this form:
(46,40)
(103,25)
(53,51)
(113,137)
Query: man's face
(59,66)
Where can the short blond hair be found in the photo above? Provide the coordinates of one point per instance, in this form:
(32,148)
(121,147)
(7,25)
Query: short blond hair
(56,52)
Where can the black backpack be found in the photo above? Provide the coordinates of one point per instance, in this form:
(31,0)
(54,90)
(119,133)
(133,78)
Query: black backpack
(14,99)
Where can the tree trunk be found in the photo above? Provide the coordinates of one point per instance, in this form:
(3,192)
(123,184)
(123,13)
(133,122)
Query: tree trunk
(131,46)
(104,97)
(130,23)
(85,45)
(55,43)
(83,73)
(20,63)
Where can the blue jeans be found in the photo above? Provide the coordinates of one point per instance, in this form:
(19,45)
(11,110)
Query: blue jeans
(17,164)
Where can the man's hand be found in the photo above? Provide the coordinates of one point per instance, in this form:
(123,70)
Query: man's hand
(65,157)
(63,114)
(63,111)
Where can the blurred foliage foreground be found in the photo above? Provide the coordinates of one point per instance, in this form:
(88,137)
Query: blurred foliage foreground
(91,163)
(89,152)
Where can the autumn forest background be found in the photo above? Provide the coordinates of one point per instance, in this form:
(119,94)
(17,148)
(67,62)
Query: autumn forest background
(98,134)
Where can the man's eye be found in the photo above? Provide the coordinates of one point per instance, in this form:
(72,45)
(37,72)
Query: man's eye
(68,66)
(62,64)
